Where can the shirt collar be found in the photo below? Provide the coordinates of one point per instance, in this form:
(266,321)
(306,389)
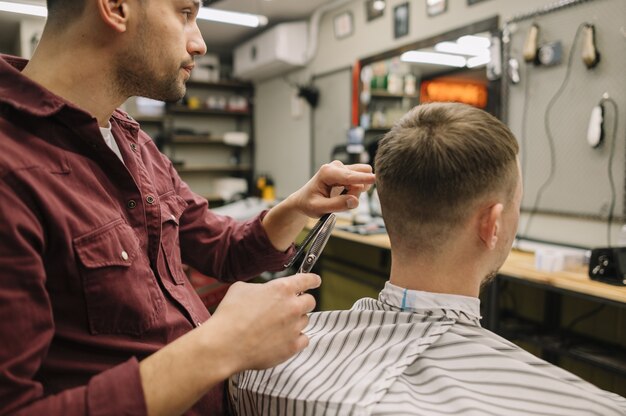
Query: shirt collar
(23,93)
(418,301)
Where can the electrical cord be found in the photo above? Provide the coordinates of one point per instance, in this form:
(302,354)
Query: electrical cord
(584,316)
(609,222)
(523,138)
(550,137)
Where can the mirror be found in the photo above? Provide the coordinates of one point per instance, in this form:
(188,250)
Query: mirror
(460,65)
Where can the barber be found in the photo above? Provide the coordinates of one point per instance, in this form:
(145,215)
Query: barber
(96,316)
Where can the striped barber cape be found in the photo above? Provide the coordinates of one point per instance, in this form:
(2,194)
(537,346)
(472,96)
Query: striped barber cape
(414,353)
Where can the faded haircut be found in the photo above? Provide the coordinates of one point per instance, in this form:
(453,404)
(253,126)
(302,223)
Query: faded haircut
(63,12)
(434,165)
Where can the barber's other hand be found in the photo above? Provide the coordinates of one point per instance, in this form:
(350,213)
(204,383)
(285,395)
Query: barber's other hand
(263,323)
(322,194)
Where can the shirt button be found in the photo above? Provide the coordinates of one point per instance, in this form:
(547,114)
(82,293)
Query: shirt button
(133,147)
(131,204)
(150,199)
(124,255)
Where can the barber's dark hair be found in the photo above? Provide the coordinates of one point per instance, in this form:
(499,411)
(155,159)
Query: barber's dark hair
(435,164)
(64,11)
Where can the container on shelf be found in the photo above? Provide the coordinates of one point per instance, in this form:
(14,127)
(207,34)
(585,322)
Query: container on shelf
(149,107)
(236,138)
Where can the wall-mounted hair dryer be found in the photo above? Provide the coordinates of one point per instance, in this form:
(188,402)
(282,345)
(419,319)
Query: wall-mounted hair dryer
(595,130)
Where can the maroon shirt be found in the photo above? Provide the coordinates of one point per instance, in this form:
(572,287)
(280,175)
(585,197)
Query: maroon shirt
(90,256)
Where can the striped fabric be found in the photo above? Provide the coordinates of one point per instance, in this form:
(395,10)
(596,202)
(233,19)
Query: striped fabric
(414,353)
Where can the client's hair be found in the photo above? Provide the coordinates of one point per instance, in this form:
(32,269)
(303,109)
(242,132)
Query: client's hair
(435,164)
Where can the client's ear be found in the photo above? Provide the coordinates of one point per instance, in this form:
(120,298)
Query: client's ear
(489,225)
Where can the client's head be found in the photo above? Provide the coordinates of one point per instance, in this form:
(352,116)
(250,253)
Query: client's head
(445,167)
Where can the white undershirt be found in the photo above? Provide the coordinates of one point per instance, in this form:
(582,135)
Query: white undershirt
(110,141)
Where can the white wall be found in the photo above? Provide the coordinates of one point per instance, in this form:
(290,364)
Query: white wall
(282,140)
(369,38)
(277,131)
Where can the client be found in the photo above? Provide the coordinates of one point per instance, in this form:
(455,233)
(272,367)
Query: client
(449,183)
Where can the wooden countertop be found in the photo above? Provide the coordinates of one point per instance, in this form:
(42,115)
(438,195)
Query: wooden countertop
(522,265)
(519,265)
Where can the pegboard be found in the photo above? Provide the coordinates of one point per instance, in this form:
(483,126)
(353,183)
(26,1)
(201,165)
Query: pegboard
(580,184)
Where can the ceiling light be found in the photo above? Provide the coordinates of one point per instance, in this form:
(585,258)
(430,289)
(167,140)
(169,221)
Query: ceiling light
(235,18)
(433,58)
(478,61)
(206,13)
(458,49)
(23,8)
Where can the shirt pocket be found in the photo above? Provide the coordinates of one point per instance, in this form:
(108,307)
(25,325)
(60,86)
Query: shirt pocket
(121,292)
(172,207)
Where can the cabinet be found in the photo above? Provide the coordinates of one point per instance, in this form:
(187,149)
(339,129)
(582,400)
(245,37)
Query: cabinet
(208,136)
(569,325)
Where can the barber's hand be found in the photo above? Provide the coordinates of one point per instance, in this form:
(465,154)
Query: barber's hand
(256,326)
(263,323)
(323,193)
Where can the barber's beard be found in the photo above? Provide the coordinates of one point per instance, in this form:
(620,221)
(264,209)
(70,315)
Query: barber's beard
(140,72)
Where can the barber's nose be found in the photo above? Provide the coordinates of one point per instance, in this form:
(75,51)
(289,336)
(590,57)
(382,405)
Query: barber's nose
(195,43)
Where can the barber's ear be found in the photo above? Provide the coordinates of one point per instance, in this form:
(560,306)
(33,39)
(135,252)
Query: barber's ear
(114,13)
(489,225)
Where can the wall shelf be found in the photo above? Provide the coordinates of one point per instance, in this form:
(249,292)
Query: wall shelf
(194,139)
(180,110)
(197,139)
(149,119)
(225,84)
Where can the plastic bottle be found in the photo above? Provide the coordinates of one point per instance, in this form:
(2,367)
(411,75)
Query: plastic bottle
(269,193)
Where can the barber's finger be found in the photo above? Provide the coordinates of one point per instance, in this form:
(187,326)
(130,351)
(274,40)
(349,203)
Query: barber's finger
(337,190)
(302,282)
(302,323)
(337,174)
(336,204)
(306,302)
(302,342)
(355,190)
(360,167)
(348,178)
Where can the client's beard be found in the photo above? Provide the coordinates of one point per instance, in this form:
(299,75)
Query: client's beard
(488,279)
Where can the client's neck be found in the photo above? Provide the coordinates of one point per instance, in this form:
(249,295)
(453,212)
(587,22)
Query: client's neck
(445,272)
